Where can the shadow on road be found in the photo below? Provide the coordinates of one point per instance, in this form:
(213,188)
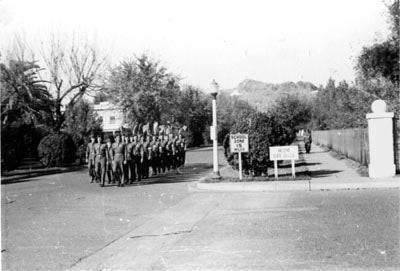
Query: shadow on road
(27,177)
(300,164)
(188,173)
(323,173)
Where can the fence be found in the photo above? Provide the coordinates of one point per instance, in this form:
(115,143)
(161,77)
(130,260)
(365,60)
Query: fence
(353,143)
(396,139)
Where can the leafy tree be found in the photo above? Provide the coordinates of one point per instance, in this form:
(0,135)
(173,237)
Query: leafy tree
(25,111)
(230,109)
(145,90)
(193,110)
(80,121)
(292,111)
(24,97)
(340,107)
(381,60)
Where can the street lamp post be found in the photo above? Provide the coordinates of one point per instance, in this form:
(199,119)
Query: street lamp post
(214,93)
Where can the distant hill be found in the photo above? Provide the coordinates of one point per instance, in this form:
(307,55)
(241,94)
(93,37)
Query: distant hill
(262,95)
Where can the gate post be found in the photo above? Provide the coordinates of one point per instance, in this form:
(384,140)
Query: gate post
(380,134)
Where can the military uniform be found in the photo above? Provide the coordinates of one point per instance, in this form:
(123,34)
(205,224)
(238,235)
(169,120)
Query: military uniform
(155,156)
(101,154)
(137,154)
(109,162)
(145,159)
(167,154)
(118,162)
(183,151)
(90,156)
(171,154)
(161,157)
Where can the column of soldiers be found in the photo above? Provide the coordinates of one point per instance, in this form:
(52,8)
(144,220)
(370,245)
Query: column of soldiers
(126,158)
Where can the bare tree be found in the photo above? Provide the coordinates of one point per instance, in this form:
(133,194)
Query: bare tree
(74,68)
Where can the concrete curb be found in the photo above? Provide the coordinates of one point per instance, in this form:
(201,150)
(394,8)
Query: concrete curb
(282,186)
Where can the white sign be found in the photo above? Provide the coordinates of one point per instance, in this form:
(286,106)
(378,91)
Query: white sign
(284,153)
(239,142)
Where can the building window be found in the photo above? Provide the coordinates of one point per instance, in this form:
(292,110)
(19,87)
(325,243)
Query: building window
(112,119)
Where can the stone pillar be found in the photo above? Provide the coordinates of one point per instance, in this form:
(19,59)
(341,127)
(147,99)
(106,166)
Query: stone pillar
(380,134)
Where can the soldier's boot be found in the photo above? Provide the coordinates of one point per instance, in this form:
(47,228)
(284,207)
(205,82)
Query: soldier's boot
(92,175)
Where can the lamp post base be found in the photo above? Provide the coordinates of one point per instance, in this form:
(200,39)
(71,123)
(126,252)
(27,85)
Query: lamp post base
(215,175)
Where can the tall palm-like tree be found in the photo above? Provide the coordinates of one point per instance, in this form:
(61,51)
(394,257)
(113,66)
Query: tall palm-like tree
(24,96)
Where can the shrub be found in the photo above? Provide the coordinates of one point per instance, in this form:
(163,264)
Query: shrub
(18,141)
(264,131)
(11,147)
(56,149)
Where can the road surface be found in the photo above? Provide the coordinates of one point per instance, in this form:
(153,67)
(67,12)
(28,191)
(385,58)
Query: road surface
(61,222)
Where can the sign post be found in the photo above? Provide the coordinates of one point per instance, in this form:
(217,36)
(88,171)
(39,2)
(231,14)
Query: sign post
(240,166)
(239,143)
(284,153)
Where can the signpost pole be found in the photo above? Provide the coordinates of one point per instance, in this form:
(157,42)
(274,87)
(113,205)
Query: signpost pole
(293,170)
(240,166)
(276,168)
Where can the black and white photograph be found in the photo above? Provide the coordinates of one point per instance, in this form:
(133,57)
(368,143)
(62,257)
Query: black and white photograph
(200,135)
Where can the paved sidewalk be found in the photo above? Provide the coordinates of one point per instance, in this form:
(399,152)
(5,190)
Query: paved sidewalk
(326,172)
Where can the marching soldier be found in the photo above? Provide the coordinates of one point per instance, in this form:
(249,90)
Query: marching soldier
(100,150)
(145,157)
(130,161)
(182,142)
(154,161)
(172,150)
(178,151)
(109,161)
(137,152)
(167,153)
(162,155)
(90,157)
(119,160)
(125,140)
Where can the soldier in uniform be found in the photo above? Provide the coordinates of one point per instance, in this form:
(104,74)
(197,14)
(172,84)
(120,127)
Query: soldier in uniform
(100,150)
(125,140)
(178,151)
(109,161)
(90,157)
(130,162)
(137,152)
(119,160)
(145,157)
(182,150)
(167,153)
(154,161)
(172,150)
(161,154)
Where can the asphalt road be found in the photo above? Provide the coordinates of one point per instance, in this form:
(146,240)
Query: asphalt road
(61,221)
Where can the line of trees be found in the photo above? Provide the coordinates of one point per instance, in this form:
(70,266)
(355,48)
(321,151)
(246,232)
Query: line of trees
(43,107)
(339,106)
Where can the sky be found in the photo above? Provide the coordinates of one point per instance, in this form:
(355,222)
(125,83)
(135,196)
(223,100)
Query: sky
(229,41)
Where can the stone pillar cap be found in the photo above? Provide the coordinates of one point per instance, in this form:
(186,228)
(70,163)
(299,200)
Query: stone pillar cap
(379,106)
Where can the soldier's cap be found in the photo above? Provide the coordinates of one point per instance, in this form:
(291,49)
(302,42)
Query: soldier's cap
(92,135)
(117,133)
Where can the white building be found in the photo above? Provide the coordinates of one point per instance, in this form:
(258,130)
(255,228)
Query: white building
(112,116)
